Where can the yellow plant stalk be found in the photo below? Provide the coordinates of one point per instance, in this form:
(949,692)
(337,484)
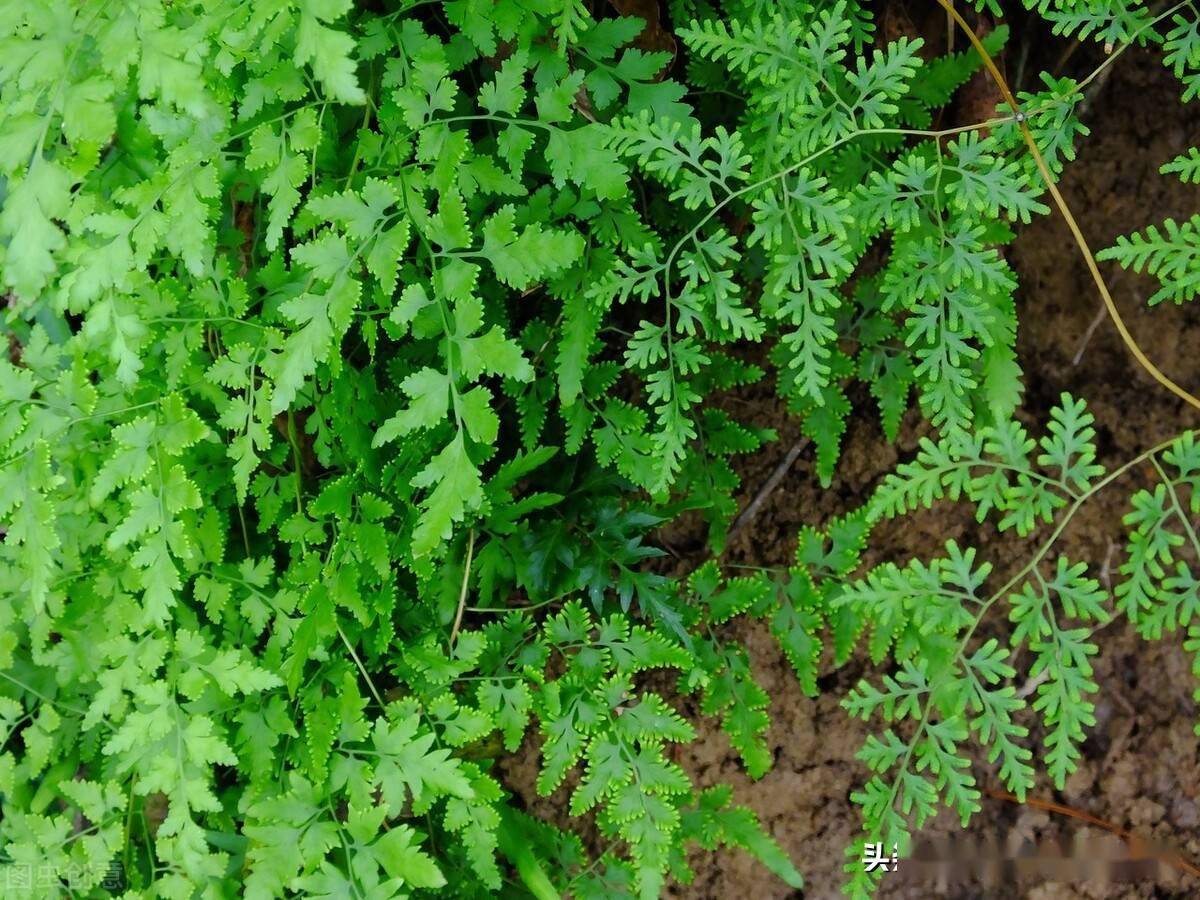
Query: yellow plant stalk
(1080,241)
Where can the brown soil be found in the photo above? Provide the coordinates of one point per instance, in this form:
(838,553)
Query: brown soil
(1141,768)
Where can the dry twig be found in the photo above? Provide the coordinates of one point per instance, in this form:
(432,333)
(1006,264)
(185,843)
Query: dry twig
(751,510)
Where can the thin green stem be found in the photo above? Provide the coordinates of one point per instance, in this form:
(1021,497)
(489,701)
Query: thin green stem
(1011,584)
(361,668)
(1178,506)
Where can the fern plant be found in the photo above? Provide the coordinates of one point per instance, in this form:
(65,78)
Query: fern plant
(278,402)
(296,301)
(831,154)
(956,683)
(1170,253)
(357,351)
(1167,252)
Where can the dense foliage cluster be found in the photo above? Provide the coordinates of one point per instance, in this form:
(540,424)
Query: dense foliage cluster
(356,351)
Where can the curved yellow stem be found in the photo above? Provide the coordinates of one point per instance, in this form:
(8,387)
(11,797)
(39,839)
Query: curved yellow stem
(1088,257)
